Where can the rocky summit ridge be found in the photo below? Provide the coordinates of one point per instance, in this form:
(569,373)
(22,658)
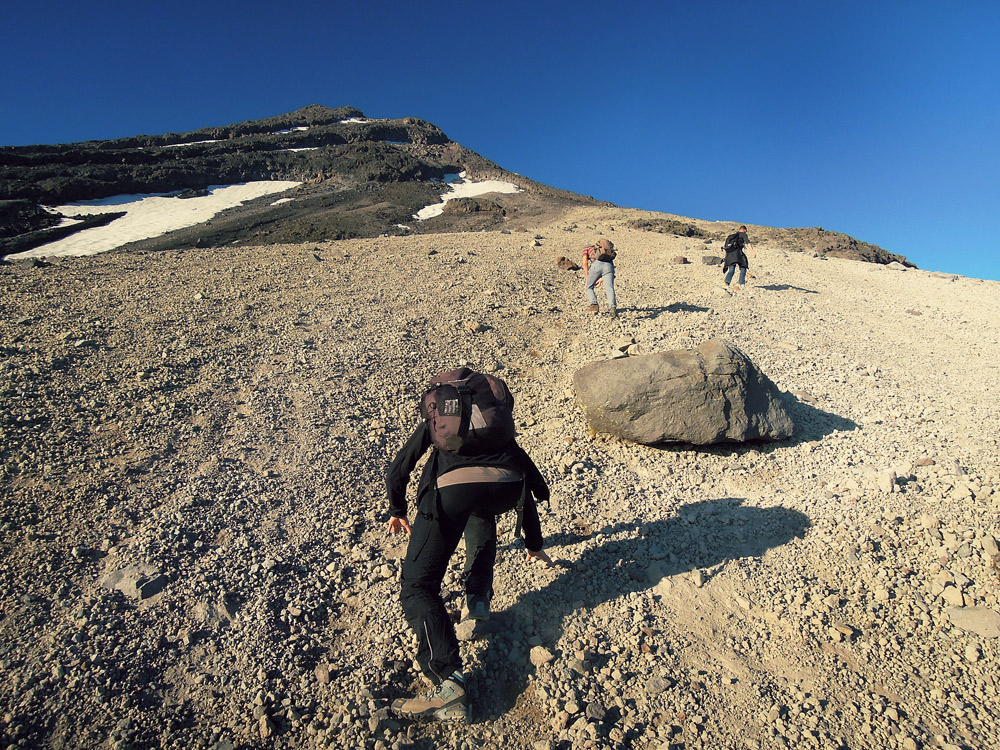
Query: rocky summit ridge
(361,178)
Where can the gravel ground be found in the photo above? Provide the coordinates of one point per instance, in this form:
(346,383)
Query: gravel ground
(192,506)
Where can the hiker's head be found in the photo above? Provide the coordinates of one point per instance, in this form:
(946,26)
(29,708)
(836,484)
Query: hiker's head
(605,244)
(743,229)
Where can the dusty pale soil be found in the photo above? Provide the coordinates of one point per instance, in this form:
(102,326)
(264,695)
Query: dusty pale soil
(213,425)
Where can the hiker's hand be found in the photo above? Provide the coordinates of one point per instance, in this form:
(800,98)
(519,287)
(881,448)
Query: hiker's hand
(399,525)
(540,555)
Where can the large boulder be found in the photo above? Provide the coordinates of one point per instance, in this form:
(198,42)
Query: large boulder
(712,394)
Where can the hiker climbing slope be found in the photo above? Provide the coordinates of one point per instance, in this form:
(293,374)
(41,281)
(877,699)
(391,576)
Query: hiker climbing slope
(736,257)
(476,471)
(598,266)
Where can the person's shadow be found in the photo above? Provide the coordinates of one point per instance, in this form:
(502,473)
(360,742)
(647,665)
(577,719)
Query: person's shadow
(785,288)
(651,313)
(636,557)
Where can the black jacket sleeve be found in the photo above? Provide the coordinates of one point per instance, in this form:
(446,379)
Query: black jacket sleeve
(537,489)
(533,477)
(531,526)
(398,474)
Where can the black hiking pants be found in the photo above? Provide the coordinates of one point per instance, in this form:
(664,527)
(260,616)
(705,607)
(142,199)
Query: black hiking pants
(469,508)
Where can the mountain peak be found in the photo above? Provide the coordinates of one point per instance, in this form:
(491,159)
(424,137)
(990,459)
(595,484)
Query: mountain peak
(310,115)
(359,177)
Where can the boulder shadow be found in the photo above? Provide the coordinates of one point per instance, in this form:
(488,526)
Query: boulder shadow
(811,422)
(645,554)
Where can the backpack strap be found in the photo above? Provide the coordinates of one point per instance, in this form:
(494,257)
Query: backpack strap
(465,395)
(518,528)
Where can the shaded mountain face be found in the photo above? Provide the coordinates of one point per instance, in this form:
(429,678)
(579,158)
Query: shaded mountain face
(361,178)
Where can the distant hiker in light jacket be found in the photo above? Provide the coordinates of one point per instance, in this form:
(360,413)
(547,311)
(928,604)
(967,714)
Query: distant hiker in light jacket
(598,266)
(736,257)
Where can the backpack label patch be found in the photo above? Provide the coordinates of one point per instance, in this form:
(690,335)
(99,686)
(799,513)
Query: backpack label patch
(476,419)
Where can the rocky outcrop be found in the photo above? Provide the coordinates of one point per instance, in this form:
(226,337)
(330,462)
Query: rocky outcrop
(666,226)
(824,243)
(817,241)
(474,205)
(712,394)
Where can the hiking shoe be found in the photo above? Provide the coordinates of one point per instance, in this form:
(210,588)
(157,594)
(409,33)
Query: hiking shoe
(594,309)
(476,609)
(613,312)
(447,702)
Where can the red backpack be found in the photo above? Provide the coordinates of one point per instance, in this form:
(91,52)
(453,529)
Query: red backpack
(468,412)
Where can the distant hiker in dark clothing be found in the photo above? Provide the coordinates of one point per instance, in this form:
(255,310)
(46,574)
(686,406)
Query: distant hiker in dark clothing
(458,492)
(598,266)
(736,257)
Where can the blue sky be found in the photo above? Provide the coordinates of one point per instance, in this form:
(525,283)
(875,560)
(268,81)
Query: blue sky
(879,119)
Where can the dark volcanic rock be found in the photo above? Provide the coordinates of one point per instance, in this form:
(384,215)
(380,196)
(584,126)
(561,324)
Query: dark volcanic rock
(474,205)
(21,216)
(28,240)
(269,149)
(711,394)
(666,226)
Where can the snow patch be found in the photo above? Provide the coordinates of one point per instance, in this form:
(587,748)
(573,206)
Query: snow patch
(149,215)
(461,189)
(189,143)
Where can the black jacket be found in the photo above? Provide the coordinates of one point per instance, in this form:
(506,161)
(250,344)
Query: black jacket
(735,255)
(398,475)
